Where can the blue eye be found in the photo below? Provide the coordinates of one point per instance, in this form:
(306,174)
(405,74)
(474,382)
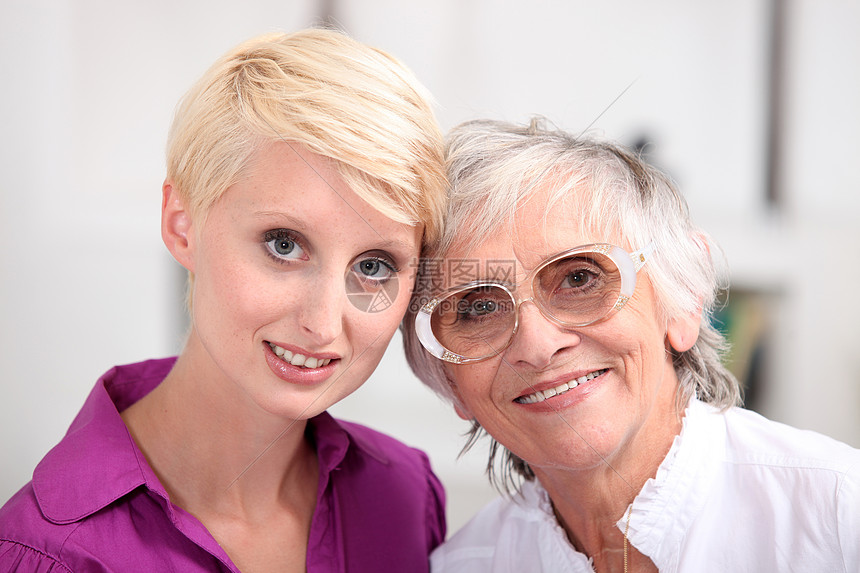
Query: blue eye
(282,244)
(374,268)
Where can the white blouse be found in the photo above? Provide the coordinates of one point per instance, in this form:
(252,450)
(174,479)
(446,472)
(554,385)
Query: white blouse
(736,492)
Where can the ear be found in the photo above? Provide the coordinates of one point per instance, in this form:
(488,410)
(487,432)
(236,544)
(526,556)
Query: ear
(176,226)
(682,332)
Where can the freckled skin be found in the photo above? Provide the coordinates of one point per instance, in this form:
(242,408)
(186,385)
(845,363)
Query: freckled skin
(245,295)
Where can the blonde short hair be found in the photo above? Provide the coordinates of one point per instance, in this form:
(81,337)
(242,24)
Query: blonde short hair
(333,95)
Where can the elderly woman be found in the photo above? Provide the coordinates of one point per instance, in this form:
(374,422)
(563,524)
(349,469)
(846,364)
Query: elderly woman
(303,171)
(565,312)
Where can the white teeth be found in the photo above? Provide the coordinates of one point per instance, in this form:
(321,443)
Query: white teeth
(540,396)
(298,359)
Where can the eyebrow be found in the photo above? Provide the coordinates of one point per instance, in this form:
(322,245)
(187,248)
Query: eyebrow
(280,215)
(396,243)
(302,226)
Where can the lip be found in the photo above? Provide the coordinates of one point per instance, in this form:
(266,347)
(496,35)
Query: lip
(571,397)
(298,374)
(302,351)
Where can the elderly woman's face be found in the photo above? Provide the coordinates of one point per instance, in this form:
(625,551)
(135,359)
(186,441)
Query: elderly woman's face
(626,383)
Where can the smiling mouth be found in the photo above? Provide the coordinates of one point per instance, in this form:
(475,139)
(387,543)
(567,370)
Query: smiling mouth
(542,395)
(298,359)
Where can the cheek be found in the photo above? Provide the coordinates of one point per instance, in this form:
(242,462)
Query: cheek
(370,331)
(644,359)
(236,293)
(472,384)
(637,333)
(389,319)
(637,356)
(374,330)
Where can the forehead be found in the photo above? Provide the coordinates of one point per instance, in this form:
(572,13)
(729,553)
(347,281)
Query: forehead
(287,185)
(542,226)
(545,225)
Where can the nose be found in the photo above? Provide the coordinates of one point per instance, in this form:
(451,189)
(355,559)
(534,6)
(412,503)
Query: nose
(321,309)
(538,340)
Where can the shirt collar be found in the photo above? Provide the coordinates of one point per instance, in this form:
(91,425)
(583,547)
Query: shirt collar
(667,504)
(97,462)
(333,439)
(665,508)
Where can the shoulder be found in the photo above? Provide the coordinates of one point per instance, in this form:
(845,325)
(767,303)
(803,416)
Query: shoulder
(503,514)
(789,466)
(493,540)
(28,542)
(784,494)
(379,450)
(389,498)
(378,462)
(819,473)
(484,528)
(93,503)
(135,529)
(755,440)
(473,547)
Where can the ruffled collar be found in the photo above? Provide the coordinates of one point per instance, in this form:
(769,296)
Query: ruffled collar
(668,503)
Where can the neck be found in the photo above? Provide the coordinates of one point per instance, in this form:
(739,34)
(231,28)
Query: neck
(588,503)
(215,452)
(588,508)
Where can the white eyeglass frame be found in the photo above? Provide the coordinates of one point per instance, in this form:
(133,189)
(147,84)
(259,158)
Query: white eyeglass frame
(628,265)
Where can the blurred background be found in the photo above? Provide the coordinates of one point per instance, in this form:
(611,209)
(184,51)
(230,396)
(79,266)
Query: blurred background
(751,105)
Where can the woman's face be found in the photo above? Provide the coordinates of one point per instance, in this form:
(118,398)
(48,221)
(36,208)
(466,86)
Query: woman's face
(299,284)
(626,401)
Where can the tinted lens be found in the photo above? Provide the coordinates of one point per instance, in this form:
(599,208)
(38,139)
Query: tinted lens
(578,289)
(475,322)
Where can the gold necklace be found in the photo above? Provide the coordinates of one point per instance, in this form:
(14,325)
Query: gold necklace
(626,531)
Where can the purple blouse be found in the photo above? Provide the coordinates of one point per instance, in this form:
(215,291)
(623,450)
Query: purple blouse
(94,503)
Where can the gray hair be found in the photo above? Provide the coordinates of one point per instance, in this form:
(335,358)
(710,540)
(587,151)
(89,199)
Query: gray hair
(494,166)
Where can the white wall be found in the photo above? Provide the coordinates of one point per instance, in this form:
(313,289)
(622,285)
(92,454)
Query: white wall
(88,91)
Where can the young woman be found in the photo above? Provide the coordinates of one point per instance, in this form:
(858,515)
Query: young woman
(303,172)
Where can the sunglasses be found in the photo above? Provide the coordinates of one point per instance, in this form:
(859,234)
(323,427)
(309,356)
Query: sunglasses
(478,320)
